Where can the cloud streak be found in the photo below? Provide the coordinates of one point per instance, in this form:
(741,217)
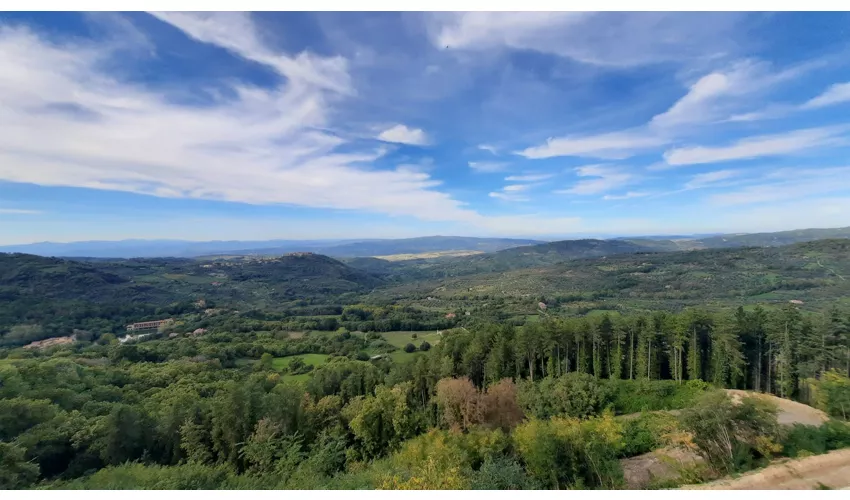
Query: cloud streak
(756,147)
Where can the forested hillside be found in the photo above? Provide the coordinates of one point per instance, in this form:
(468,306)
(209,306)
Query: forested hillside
(533,367)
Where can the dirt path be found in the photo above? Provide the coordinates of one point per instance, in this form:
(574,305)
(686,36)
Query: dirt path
(790,412)
(831,470)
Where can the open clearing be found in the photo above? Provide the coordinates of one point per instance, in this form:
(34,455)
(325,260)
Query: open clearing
(309,359)
(831,470)
(401,339)
(428,255)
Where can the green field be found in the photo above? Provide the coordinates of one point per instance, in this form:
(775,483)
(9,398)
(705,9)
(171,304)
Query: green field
(401,339)
(309,359)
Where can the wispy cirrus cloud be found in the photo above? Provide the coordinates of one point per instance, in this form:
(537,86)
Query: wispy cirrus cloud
(598,38)
(627,195)
(488,167)
(709,178)
(836,94)
(529,177)
(19,211)
(608,146)
(602,179)
(759,146)
(788,184)
(266,145)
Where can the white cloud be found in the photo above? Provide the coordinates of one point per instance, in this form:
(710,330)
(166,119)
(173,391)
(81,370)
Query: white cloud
(487,147)
(487,167)
(788,184)
(403,135)
(236,32)
(706,179)
(610,146)
(755,147)
(529,177)
(507,196)
(610,39)
(67,122)
(835,94)
(720,94)
(605,178)
(19,211)
(692,107)
(627,195)
(516,187)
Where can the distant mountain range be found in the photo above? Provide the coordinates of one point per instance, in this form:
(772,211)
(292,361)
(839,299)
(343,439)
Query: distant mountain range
(357,248)
(334,248)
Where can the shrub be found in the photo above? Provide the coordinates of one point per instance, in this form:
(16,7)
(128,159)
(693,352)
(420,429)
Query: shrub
(424,346)
(647,432)
(810,440)
(501,473)
(569,453)
(731,436)
(409,348)
(633,396)
(803,438)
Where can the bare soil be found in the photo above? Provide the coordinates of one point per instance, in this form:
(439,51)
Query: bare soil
(667,463)
(831,471)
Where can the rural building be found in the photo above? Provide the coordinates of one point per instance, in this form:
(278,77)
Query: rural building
(149,325)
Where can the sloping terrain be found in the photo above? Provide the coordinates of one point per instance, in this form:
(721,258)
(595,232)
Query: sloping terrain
(43,297)
(665,464)
(828,471)
(811,272)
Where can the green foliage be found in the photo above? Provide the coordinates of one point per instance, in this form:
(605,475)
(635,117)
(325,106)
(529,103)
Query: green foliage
(832,435)
(15,471)
(647,432)
(501,473)
(575,395)
(633,396)
(832,394)
(568,453)
(137,476)
(732,436)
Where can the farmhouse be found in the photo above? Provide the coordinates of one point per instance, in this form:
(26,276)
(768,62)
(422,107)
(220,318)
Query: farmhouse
(149,325)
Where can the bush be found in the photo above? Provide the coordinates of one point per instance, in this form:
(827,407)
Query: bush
(646,433)
(136,476)
(501,473)
(424,346)
(569,453)
(732,436)
(409,348)
(807,439)
(633,396)
(801,438)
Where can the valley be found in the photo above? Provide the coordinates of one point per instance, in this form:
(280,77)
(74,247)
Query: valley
(307,371)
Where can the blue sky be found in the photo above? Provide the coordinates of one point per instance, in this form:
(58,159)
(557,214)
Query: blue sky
(340,125)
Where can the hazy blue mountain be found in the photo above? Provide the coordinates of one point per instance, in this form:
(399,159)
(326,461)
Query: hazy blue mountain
(335,248)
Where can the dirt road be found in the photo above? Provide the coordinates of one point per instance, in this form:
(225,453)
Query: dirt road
(831,471)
